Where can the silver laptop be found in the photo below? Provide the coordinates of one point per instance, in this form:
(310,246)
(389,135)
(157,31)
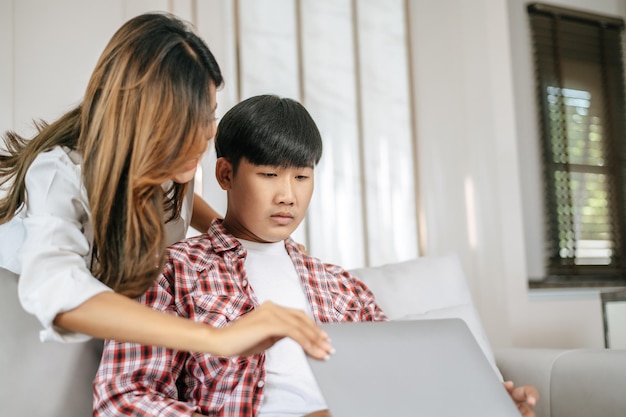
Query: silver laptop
(426,368)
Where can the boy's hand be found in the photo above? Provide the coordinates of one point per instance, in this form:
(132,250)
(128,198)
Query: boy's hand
(525,397)
(320,413)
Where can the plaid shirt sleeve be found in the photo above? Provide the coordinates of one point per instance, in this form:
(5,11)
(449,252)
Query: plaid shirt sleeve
(335,295)
(369,310)
(137,380)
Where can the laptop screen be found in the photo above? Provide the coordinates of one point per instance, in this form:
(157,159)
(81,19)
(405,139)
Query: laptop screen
(430,368)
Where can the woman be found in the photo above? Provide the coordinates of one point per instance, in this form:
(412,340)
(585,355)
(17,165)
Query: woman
(88,199)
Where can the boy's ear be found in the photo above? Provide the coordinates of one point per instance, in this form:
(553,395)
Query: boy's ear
(224,173)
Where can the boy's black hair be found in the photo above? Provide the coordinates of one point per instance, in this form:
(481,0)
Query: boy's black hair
(269,130)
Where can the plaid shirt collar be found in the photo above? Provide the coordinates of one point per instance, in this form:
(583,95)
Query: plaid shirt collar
(220,240)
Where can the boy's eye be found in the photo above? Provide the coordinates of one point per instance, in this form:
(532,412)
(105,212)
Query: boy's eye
(269,174)
(302,177)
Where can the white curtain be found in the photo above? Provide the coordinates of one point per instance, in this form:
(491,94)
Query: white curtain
(347,62)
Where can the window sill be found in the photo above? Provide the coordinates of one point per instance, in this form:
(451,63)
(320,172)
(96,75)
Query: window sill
(560,294)
(570,282)
(572,289)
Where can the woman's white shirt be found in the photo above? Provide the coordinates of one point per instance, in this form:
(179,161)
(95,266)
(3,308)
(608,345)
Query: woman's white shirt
(51,239)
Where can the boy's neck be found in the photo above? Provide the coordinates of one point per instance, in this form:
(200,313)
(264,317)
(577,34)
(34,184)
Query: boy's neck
(262,246)
(240,233)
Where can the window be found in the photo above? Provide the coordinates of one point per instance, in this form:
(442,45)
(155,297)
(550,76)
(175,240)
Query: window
(580,90)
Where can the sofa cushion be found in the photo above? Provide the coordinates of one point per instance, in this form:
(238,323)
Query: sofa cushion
(428,287)
(41,379)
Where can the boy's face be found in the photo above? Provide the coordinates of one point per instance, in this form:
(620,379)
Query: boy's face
(265,203)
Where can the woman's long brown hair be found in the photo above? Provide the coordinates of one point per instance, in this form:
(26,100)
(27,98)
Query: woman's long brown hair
(146,111)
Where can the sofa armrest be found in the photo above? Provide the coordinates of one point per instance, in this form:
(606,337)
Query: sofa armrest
(41,379)
(589,382)
(529,366)
(571,382)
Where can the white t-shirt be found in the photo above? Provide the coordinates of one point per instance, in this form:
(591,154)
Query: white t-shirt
(290,388)
(48,243)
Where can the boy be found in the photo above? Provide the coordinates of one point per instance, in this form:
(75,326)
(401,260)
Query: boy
(267,149)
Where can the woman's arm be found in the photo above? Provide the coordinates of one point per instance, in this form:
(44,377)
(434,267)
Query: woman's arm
(202,214)
(113,316)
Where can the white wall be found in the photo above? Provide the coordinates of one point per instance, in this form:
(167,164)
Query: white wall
(56,45)
(470,63)
(465,144)
(6,64)
(476,129)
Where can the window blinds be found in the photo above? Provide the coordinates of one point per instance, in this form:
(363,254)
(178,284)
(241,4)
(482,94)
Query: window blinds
(580,90)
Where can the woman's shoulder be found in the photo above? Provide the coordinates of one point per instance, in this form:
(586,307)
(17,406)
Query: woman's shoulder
(55,186)
(59,163)
(60,157)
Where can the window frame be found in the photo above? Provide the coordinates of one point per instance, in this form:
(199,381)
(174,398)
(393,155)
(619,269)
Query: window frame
(562,271)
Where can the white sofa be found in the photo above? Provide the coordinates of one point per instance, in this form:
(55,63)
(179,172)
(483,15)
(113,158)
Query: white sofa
(571,382)
(55,380)
(40,379)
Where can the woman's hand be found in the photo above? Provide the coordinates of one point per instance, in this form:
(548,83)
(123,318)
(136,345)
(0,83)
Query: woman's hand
(266,325)
(302,248)
(202,214)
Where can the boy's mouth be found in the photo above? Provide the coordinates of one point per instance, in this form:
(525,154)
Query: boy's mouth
(282,218)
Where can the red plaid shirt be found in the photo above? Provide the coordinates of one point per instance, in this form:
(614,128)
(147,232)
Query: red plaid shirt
(204,279)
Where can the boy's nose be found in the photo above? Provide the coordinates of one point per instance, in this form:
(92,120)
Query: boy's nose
(286,194)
